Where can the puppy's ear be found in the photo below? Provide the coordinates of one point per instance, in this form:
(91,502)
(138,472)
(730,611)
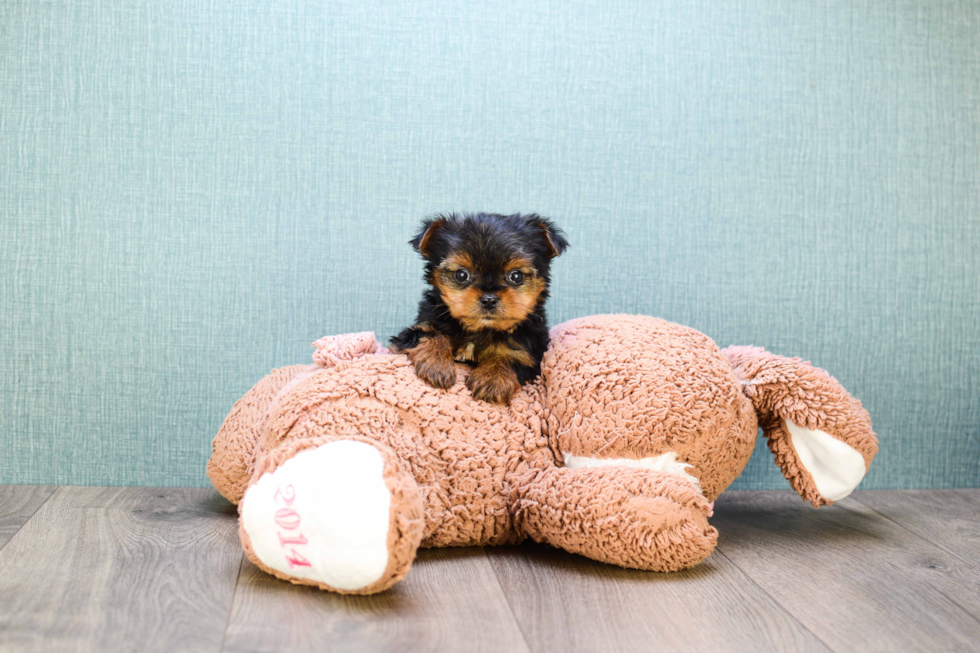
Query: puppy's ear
(554,237)
(423,241)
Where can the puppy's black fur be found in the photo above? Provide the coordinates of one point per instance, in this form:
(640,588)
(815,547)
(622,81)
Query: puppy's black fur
(489,276)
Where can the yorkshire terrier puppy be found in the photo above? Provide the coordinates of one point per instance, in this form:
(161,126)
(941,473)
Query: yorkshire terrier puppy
(489,278)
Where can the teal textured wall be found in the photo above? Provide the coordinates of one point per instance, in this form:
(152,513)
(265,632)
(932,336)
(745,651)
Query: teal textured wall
(192,192)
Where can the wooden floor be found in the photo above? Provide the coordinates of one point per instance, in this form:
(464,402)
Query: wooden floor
(138,569)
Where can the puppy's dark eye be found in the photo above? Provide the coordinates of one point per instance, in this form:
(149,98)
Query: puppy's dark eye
(516,277)
(461,276)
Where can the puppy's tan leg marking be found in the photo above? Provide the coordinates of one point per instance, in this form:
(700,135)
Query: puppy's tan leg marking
(466,354)
(494,380)
(433,360)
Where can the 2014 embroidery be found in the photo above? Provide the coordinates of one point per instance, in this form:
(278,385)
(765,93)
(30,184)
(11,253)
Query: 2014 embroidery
(288,519)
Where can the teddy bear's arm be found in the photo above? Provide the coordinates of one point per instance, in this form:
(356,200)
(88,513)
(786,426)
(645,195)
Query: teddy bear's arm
(628,516)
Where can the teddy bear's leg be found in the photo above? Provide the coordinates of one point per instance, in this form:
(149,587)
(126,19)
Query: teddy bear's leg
(628,516)
(233,448)
(820,435)
(340,513)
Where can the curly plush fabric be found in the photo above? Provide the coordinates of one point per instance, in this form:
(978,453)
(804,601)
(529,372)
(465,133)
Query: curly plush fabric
(634,387)
(654,420)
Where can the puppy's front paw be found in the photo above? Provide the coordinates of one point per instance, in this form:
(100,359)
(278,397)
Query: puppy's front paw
(437,373)
(433,360)
(493,383)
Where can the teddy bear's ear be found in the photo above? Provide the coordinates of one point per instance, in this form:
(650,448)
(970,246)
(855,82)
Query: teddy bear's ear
(554,237)
(424,239)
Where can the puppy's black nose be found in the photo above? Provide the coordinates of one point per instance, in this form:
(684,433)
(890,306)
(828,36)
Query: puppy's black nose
(489,301)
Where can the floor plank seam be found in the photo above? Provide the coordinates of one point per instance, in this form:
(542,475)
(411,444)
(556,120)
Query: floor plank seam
(776,602)
(957,604)
(231,606)
(930,543)
(938,545)
(27,521)
(510,606)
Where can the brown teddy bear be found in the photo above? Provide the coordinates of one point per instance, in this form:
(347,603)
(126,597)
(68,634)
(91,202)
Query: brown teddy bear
(343,468)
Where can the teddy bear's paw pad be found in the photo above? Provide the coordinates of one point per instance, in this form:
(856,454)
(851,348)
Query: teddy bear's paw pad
(323,515)
(835,466)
